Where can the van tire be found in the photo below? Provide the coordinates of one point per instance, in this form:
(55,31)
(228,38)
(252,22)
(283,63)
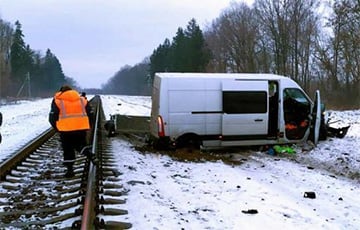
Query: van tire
(191,141)
(160,144)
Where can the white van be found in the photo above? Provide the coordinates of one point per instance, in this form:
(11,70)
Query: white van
(231,109)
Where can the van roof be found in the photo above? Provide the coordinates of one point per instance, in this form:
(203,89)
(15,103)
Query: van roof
(255,76)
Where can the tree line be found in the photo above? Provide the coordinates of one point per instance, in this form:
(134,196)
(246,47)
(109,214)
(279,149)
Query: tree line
(25,72)
(294,39)
(319,49)
(185,53)
(314,42)
(130,80)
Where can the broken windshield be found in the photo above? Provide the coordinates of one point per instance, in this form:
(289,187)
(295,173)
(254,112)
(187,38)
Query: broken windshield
(296,94)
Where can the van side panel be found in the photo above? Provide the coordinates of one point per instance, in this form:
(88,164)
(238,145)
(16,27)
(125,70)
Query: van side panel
(181,119)
(213,115)
(194,106)
(193,103)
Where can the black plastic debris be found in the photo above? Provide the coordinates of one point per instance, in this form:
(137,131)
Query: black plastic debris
(250,211)
(337,132)
(310,195)
(110,127)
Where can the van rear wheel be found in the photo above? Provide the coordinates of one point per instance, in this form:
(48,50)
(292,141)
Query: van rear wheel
(160,144)
(189,141)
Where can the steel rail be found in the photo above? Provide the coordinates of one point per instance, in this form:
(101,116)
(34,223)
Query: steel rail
(88,216)
(24,152)
(89,202)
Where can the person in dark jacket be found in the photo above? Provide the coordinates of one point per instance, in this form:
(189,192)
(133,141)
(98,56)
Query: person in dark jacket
(69,115)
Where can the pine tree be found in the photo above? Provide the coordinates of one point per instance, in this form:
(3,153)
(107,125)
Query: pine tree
(20,56)
(53,76)
(180,52)
(160,60)
(198,55)
(186,53)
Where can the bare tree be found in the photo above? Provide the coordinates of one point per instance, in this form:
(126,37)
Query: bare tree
(6,32)
(289,30)
(349,39)
(232,38)
(271,16)
(303,38)
(340,56)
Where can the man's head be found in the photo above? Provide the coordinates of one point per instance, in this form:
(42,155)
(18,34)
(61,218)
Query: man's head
(65,88)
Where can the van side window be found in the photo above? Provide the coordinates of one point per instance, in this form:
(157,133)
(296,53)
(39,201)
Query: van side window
(242,102)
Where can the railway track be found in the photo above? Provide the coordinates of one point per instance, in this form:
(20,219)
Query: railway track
(34,194)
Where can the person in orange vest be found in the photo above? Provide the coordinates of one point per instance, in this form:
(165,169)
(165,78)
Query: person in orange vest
(69,115)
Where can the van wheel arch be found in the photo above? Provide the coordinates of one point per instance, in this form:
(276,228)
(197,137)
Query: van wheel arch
(189,140)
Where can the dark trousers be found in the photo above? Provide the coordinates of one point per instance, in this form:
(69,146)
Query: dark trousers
(71,141)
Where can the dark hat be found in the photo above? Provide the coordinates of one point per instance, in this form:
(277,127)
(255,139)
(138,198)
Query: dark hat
(65,88)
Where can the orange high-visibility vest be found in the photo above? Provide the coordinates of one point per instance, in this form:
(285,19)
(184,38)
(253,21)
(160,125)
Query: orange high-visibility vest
(72,115)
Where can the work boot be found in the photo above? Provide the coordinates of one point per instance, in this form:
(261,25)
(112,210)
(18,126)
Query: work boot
(86,151)
(70,172)
(93,159)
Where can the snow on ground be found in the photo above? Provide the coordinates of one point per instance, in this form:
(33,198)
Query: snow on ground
(213,195)
(339,156)
(126,105)
(168,194)
(164,193)
(22,121)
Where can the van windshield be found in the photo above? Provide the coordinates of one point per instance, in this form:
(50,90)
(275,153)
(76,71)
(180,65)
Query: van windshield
(296,94)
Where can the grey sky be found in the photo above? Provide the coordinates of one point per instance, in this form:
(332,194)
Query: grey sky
(93,39)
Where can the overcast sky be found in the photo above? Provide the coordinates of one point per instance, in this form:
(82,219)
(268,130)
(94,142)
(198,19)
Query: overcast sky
(93,39)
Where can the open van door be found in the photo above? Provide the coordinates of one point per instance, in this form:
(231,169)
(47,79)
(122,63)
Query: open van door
(245,109)
(315,129)
(0,125)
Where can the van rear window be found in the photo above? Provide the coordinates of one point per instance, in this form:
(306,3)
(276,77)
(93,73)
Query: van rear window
(242,102)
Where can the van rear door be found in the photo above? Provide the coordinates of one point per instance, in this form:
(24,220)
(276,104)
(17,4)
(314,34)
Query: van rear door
(245,109)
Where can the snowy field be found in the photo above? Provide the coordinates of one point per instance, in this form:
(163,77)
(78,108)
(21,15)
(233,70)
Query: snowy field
(22,121)
(165,193)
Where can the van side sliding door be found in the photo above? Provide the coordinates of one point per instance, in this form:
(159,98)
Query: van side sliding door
(245,109)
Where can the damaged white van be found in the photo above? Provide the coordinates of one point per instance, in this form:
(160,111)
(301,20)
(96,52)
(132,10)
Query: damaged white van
(211,110)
